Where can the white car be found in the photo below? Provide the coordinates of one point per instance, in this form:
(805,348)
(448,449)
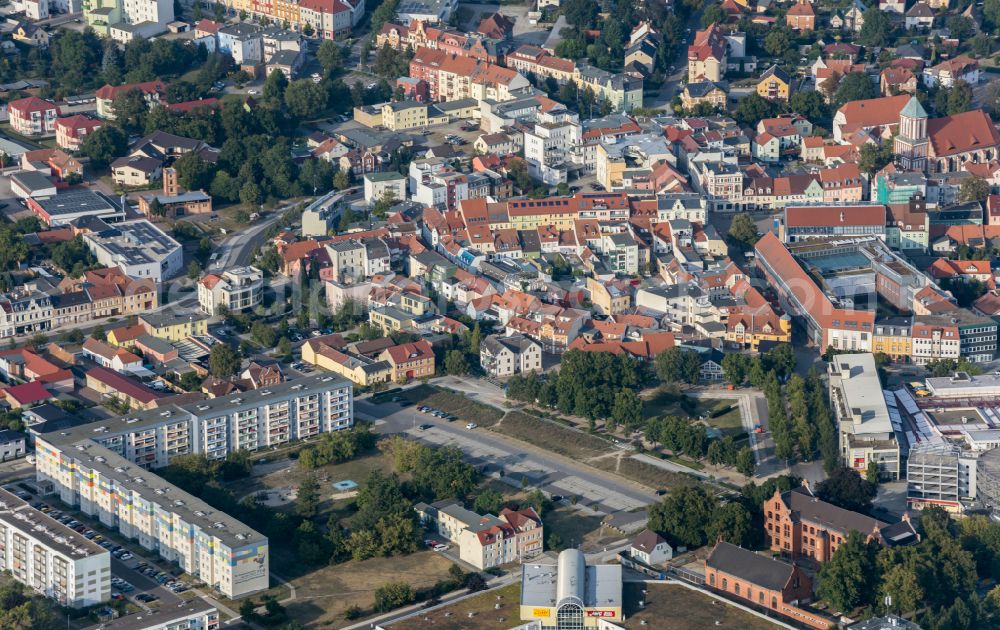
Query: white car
(471,425)
(253,92)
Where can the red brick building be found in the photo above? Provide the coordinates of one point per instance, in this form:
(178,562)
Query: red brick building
(798,524)
(764,582)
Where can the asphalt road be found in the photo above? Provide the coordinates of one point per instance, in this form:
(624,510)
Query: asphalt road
(551,473)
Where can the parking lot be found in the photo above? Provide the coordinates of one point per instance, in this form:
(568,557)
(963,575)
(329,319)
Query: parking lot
(132,578)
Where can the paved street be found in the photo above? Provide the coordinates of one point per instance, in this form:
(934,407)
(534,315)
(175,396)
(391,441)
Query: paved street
(554,474)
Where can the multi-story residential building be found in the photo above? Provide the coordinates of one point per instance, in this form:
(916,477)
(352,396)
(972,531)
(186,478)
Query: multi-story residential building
(33,116)
(867,435)
(486,541)
(243,42)
(152,92)
(621,91)
(49,557)
(410,361)
(932,342)
(25,310)
(977,334)
(707,56)
(452,77)
(71,130)
(124,20)
(237,289)
(797,524)
(549,145)
(193,614)
(505,356)
(202,540)
(377,185)
(894,338)
(174,327)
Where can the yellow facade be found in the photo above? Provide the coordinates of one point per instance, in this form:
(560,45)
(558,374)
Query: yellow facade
(352,370)
(610,170)
(602,298)
(389,321)
(896,346)
(179,330)
(286,10)
(562,220)
(367,116)
(591,616)
(772,88)
(752,340)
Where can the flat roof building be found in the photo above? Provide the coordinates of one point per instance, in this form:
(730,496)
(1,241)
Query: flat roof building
(63,208)
(51,558)
(193,614)
(570,595)
(138,248)
(867,433)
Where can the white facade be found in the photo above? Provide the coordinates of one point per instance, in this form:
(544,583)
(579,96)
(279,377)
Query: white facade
(238,289)
(51,558)
(159,12)
(139,249)
(206,543)
(547,148)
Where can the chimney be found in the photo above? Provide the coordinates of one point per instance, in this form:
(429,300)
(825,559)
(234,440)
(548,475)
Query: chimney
(856,415)
(845,371)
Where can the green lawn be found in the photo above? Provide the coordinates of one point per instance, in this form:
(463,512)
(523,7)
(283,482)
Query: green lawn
(665,403)
(730,422)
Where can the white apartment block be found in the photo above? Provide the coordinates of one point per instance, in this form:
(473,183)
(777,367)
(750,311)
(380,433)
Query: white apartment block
(159,12)
(547,147)
(486,541)
(194,614)
(204,542)
(238,289)
(51,558)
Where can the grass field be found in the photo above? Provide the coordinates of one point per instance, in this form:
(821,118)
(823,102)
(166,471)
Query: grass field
(674,607)
(454,403)
(646,474)
(323,595)
(574,527)
(485,615)
(729,423)
(665,403)
(552,436)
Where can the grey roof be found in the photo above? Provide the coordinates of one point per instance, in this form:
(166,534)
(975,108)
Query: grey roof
(78,201)
(52,418)
(889,622)
(462,103)
(762,571)
(67,300)
(32,180)
(45,528)
(162,617)
(515,343)
(136,242)
(570,578)
(240,30)
(185,197)
(138,162)
(155,344)
(163,318)
(805,506)
(284,58)
(647,540)
(702,88)
(9,435)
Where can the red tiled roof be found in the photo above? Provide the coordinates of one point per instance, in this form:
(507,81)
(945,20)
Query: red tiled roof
(27,393)
(875,111)
(406,352)
(968,131)
(827,216)
(32,104)
(124,385)
(109,92)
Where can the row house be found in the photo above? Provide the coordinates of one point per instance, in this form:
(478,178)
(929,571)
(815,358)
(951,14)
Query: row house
(451,77)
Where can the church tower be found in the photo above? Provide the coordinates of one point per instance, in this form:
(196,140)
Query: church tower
(910,145)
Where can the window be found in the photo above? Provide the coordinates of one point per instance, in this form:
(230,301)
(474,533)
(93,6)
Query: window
(725,584)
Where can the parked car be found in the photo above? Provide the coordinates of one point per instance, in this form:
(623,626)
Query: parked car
(471,425)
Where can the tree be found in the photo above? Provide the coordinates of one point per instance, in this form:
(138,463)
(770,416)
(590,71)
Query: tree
(745,462)
(959,98)
(855,86)
(732,523)
(961,27)
(751,109)
(743,231)
(341,180)
(874,157)
(330,56)
(677,365)
(264,334)
(250,194)
(275,85)
(346,219)
(876,28)
(991,14)
(715,14)
(810,104)
(684,515)
(777,42)
(455,363)
(393,595)
(627,409)
(489,501)
(849,578)
(305,99)
(104,145)
(193,270)
(193,172)
(130,111)
(223,361)
(902,586)
(848,489)
(307,499)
